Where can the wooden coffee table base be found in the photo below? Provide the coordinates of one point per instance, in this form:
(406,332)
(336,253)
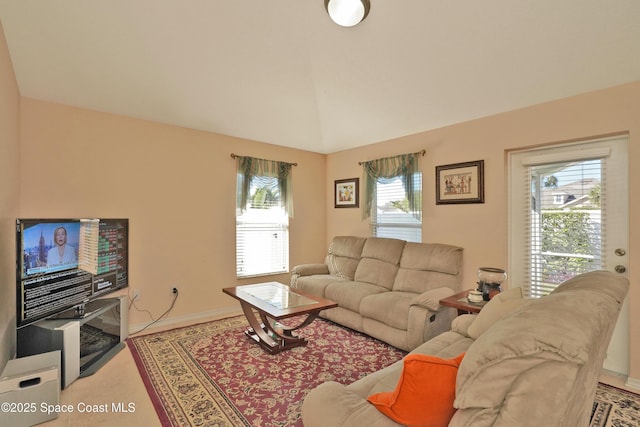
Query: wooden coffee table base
(273,301)
(263,332)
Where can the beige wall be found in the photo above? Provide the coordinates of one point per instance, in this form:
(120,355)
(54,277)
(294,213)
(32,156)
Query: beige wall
(9,190)
(176,186)
(481,229)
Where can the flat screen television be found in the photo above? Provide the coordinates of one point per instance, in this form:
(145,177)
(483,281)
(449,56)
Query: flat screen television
(52,271)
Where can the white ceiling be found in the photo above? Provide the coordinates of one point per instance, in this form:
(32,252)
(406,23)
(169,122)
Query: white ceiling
(281,72)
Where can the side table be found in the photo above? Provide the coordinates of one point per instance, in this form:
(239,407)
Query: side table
(460,302)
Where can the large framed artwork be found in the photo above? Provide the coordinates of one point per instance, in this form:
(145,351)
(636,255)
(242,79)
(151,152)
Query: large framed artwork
(460,183)
(347,193)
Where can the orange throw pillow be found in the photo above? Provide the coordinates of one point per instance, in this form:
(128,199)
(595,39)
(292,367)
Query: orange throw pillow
(425,393)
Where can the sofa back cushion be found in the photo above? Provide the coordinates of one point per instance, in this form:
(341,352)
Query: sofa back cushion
(498,308)
(344,255)
(380,260)
(425,266)
(541,363)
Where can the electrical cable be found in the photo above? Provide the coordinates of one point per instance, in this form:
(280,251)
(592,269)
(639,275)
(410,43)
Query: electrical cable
(175,298)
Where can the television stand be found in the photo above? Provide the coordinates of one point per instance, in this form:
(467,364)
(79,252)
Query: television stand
(99,363)
(77,312)
(86,343)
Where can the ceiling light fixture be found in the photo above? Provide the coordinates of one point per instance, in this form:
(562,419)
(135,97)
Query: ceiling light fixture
(347,13)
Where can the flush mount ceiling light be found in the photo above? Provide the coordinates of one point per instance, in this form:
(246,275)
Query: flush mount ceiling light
(347,13)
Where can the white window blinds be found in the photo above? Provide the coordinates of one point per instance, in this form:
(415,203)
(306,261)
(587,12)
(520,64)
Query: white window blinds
(392,217)
(393,196)
(558,214)
(264,205)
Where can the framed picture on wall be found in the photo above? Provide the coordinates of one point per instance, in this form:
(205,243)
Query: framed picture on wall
(347,193)
(460,183)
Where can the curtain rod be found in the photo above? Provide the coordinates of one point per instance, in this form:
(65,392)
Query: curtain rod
(423,152)
(234,155)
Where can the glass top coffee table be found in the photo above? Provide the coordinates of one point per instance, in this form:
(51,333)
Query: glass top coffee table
(274,301)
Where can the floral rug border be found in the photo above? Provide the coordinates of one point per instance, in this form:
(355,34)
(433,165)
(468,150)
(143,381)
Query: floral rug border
(184,393)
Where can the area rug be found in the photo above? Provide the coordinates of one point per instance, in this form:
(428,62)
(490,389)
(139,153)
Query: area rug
(211,374)
(614,407)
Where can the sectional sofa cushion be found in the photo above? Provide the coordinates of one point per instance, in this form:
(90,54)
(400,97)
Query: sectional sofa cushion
(390,308)
(380,261)
(428,266)
(317,284)
(349,295)
(499,307)
(344,255)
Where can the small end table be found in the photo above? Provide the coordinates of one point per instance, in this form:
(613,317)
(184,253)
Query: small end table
(460,302)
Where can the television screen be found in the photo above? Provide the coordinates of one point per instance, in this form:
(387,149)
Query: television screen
(49,246)
(113,259)
(52,273)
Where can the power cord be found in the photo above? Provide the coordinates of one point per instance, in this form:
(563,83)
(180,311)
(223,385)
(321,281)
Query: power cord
(154,321)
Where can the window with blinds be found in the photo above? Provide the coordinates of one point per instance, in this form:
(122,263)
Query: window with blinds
(391,216)
(565,222)
(558,213)
(262,231)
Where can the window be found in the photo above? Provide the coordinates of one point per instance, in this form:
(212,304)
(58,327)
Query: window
(262,217)
(588,229)
(393,196)
(392,216)
(262,232)
(563,221)
(565,237)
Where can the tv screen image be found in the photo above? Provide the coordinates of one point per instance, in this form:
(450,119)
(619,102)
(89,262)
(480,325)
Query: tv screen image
(49,247)
(51,277)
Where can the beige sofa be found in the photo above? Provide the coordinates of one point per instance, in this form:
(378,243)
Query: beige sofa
(386,288)
(536,363)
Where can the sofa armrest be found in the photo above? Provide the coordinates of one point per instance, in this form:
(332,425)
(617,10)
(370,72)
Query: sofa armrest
(461,324)
(431,299)
(332,404)
(310,269)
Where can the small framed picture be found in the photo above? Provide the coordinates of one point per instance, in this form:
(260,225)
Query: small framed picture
(460,183)
(347,193)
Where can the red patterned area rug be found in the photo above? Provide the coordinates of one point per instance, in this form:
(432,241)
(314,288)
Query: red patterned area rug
(211,374)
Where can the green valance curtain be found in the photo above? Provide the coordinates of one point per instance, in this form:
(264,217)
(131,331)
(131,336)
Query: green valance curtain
(403,166)
(250,168)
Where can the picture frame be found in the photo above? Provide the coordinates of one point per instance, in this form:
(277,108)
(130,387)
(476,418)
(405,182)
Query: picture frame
(347,193)
(459,183)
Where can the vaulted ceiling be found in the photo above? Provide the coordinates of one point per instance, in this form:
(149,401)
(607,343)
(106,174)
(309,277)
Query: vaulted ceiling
(281,72)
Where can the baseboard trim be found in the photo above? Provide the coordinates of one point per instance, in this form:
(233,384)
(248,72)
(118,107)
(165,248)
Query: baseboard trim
(633,383)
(187,319)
